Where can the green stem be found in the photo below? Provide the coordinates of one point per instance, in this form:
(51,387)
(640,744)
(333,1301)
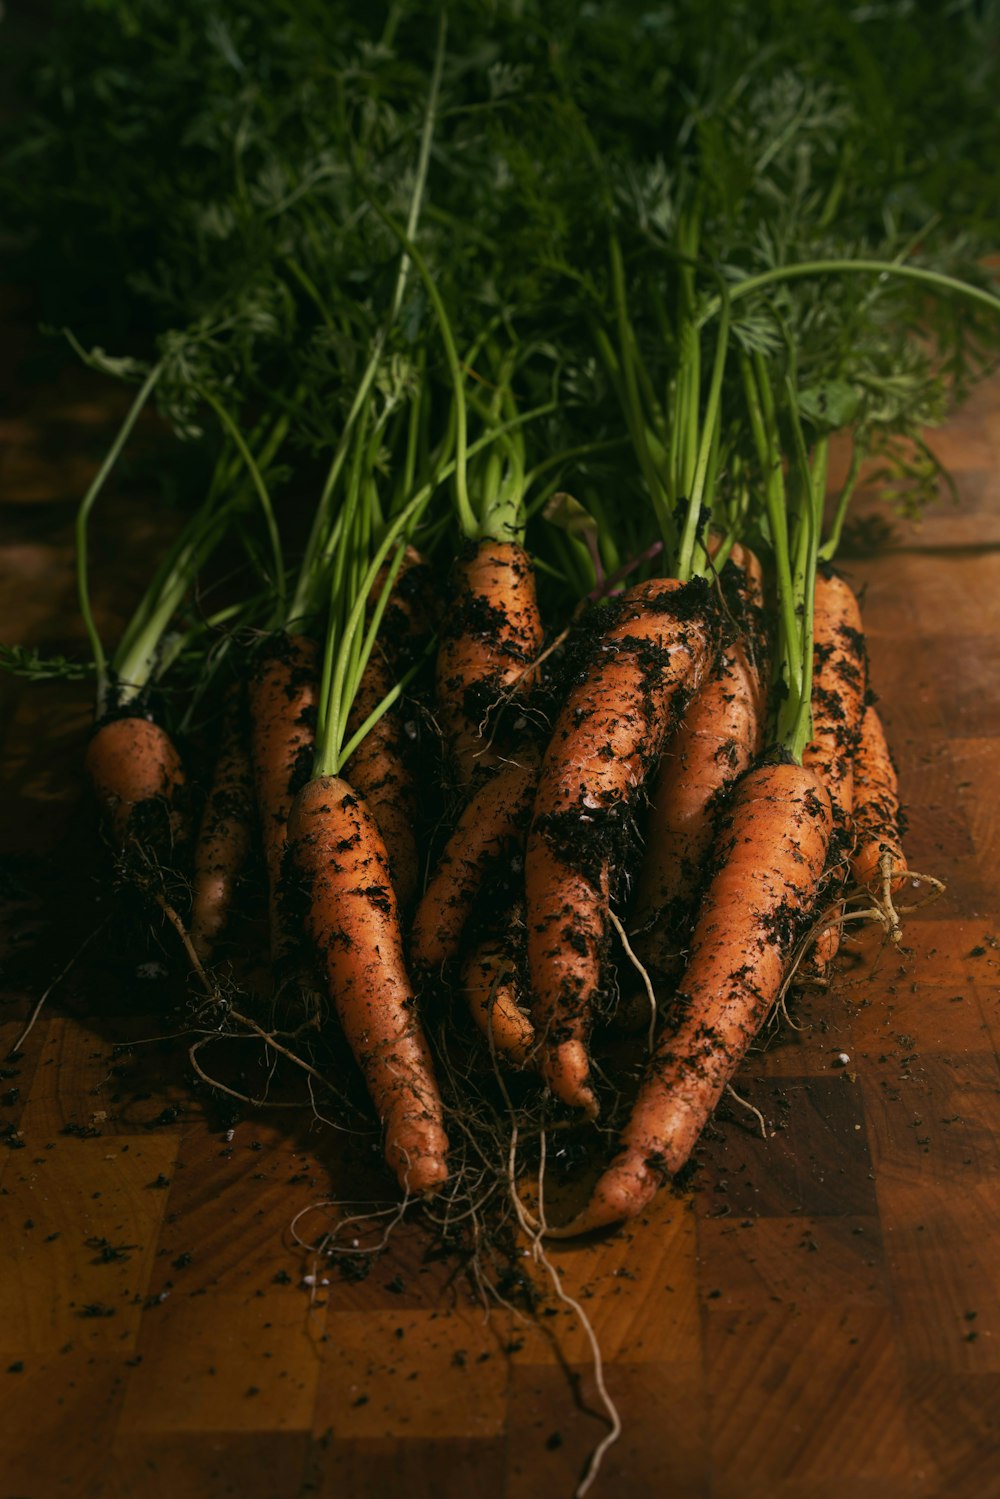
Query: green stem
(317,550)
(82,518)
(936,279)
(257,479)
(829,548)
(466,515)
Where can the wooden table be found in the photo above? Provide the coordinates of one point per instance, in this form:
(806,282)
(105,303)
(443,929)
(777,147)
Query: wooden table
(819,1316)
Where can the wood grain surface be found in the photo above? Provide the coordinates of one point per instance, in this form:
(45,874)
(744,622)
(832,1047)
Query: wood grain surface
(817,1316)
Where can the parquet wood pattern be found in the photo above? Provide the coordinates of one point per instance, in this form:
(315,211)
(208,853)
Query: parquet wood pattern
(818,1315)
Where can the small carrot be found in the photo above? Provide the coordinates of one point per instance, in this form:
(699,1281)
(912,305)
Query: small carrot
(838,706)
(719,737)
(643,666)
(379,770)
(226,830)
(771,851)
(838,690)
(138,779)
(494,991)
(379,767)
(494,819)
(492,632)
(353,923)
(282,698)
(876,816)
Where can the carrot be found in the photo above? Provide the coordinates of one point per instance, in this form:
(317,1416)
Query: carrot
(138,779)
(770,853)
(226,829)
(649,658)
(720,736)
(492,821)
(353,923)
(492,633)
(494,992)
(838,690)
(838,706)
(282,699)
(379,767)
(876,810)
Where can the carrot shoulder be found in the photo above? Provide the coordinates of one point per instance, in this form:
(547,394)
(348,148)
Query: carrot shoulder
(771,852)
(353,923)
(643,666)
(225,832)
(138,779)
(492,634)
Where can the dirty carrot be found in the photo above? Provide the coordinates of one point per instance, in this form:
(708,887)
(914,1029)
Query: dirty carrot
(838,690)
(495,994)
(380,766)
(492,633)
(770,853)
(644,664)
(876,818)
(226,829)
(282,700)
(719,737)
(353,924)
(138,779)
(493,820)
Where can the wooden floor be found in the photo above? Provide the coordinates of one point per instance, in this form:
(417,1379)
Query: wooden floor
(818,1317)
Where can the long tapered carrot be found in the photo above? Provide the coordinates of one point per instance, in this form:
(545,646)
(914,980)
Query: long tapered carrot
(226,830)
(282,696)
(643,666)
(495,993)
(719,737)
(771,851)
(353,923)
(493,821)
(138,778)
(492,632)
(876,818)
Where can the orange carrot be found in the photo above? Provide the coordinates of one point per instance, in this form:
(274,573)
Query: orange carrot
(648,659)
(282,698)
(493,989)
(718,739)
(353,923)
(493,820)
(226,829)
(379,770)
(771,851)
(876,811)
(379,767)
(838,706)
(492,633)
(138,779)
(838,690)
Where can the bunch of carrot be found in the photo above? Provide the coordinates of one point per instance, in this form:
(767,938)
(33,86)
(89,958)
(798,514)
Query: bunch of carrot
(562,722)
